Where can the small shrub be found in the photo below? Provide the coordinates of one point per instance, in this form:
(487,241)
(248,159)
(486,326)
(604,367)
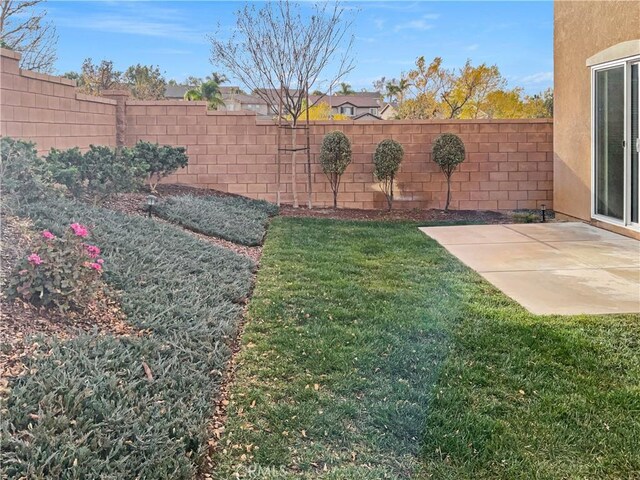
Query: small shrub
(65,167)
(62,271)
(160,160)
(22,172)
(448,152)
(335,156)
(386,161)
(236,219)
(99,173)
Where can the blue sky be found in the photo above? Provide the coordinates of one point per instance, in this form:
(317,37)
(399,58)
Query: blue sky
(389,36)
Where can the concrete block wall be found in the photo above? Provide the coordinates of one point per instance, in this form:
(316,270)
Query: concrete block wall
(509,163)
(48,111)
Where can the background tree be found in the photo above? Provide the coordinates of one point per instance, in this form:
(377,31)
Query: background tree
(219,78)
(23,28)
(437,92)
(94,79)
(345,89)
(386,160)
(468,87)
(322,111)
(209,91)
(335,156)
(448,152)
(145,82)
(380,84)
(193,81)
(280,50)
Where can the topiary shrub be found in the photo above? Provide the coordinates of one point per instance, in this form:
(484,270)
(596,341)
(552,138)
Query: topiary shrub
(22,173)
(160,160)
(335,156)
(62,271)
(448,152)
(99,173)
(386,160)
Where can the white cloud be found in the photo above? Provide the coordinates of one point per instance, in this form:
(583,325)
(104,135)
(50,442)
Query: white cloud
(539,77)
(473,47)
(130,26)
(419,24)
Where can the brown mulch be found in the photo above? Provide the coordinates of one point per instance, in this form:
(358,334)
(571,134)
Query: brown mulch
(431,215)
(20,322)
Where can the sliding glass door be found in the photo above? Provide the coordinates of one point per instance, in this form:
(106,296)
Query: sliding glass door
(634,144)
(616,145)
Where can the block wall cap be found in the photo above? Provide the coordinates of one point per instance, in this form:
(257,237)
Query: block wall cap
(5,52)
(47,78)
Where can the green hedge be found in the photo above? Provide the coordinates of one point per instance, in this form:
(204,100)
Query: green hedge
(97,414)
(237,219)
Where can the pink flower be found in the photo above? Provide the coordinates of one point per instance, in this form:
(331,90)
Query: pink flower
(48,235)
(79,230)
(92,250)
(96,266)
(34,259)
(100,261)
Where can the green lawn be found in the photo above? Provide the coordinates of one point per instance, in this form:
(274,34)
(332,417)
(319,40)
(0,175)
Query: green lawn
(371,353)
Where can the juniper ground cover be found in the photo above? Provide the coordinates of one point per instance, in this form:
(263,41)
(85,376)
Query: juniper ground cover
(89,410)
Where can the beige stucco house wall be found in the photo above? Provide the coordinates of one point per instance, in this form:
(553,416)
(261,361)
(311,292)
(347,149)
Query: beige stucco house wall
(581,30)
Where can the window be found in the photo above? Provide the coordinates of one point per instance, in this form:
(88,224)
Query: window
(347,111)
(373,111)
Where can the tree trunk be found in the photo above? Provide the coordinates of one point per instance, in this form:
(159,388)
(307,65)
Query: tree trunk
(308,132)
(446,207)
(335,192)
(294,186)
(390,198)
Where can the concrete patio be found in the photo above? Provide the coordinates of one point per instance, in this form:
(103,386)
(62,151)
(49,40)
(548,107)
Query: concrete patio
(552,268)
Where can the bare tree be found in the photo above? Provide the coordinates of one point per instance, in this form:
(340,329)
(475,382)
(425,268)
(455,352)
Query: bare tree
(95,78)
(279,53)
(23,28)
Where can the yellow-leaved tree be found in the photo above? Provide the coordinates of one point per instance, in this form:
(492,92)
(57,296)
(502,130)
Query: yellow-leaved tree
(320,111)
(469,92)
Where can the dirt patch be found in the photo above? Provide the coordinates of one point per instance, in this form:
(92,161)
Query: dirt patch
(21,322)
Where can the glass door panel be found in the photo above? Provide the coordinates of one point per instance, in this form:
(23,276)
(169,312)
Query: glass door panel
(609,143)
(635,141)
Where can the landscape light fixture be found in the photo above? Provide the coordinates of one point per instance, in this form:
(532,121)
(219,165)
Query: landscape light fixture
(543,208)
(151,201)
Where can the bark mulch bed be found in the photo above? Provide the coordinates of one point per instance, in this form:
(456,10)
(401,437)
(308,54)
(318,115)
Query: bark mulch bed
(432,215)
(136,203)
(21,323)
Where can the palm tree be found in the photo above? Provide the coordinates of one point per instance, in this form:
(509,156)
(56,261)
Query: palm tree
(217,77)
(209,91)
(403,86)
(345,89)
(392,91)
